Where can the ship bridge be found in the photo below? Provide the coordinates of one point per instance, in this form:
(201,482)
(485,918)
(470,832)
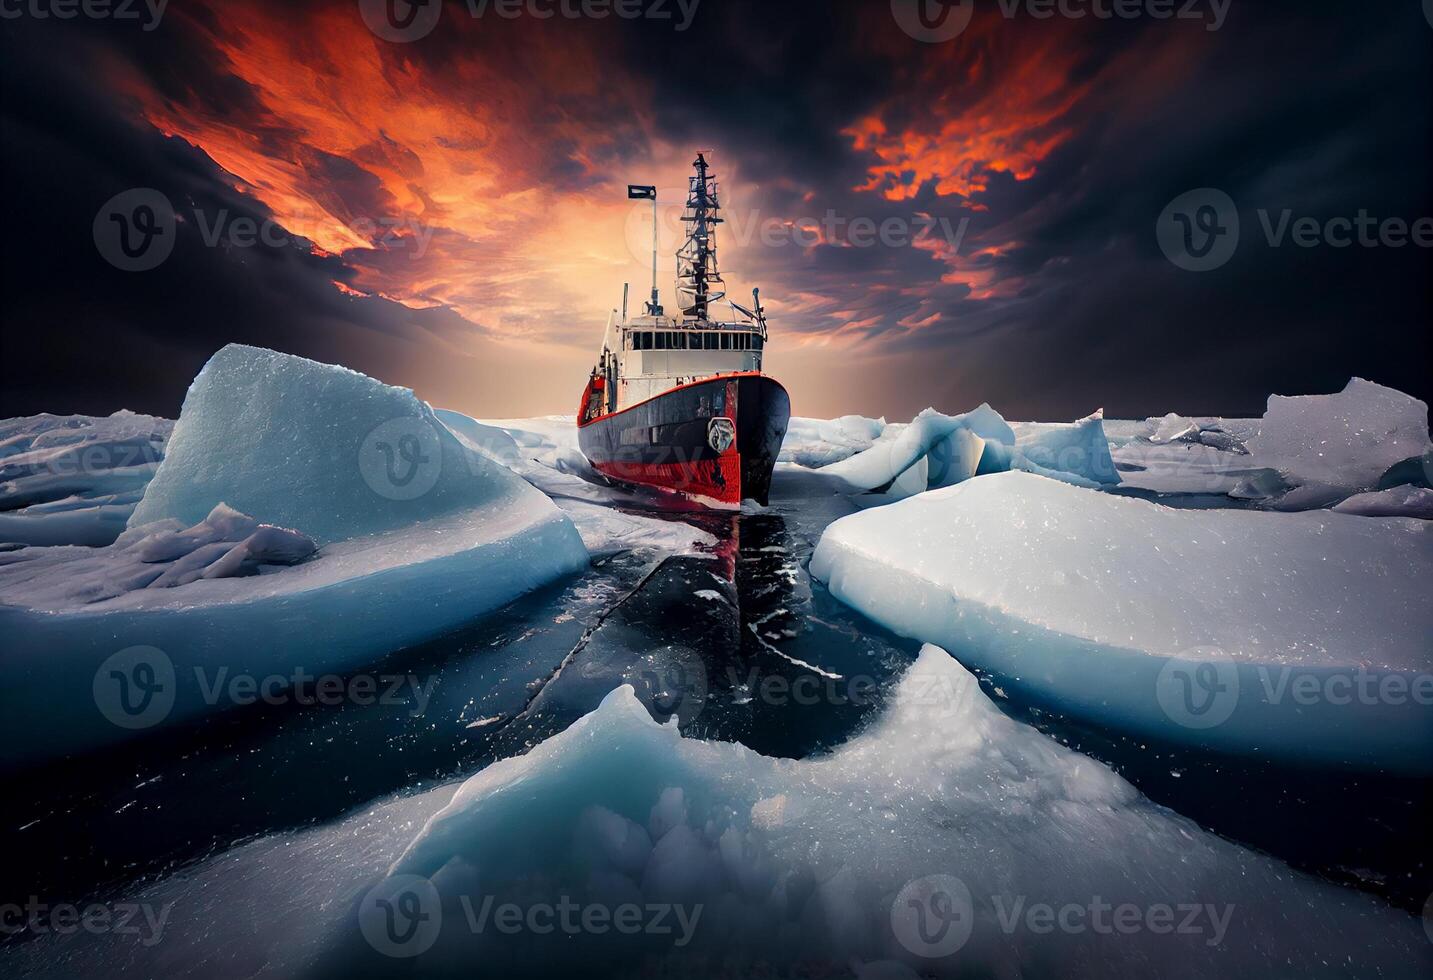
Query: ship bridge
(658,353)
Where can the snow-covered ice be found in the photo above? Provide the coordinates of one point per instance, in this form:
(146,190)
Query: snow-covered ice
(315,447)
(1108,607)
(810,863)
(1306,452)
(820,442)
(75,479)
(1401,501)
(1346,441)
(417,534)
(937,450)
(544,452)
(161,555)
(1061,449)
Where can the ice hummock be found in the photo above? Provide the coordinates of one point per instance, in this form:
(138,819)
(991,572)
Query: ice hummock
(797,865)
(937,450)
(1084,599)
(820,442)
(75,479)
(316,447)
(162,555)
(1399,501)
(417,534)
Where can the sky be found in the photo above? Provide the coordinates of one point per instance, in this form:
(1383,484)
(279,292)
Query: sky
(986,210)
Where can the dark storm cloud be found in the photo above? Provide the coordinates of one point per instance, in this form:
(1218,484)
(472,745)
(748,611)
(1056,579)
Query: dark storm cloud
(81,335)
(1320,108)
(1054,300)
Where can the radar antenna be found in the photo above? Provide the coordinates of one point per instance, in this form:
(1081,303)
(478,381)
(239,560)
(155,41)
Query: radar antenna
(697,273)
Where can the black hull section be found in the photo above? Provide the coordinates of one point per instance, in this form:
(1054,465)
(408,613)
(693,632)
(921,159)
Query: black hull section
(667,442)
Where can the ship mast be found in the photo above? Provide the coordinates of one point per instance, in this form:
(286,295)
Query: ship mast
(697,272)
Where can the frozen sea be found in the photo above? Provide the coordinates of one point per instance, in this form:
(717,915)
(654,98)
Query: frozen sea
(249,839)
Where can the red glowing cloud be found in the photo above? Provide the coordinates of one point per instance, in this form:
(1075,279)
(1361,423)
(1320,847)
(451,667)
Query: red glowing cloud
(980,106)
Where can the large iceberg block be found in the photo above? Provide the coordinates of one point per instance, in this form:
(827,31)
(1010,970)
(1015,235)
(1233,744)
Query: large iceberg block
(935,843)
(1298,636)
(315,447)
(417,535)
(1345,441)
(75,479)
(1307,452)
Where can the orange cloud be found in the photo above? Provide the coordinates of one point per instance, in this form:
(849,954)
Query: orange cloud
(974,108)
(449,179)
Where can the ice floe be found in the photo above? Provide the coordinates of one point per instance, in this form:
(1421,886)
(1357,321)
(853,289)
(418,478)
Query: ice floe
(1296,636)
(75,479)
(417,534)
(1345,441)
(1306,452)
(940,841)
(937,450)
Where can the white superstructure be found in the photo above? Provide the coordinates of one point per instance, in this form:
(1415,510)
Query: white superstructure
(645,355)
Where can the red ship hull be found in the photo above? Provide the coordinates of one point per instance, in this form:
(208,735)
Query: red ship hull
(712,442)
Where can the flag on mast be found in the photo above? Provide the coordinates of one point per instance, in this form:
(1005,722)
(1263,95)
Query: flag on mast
(641,192)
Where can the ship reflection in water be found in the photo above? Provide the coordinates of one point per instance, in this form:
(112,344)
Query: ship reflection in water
(729,646)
